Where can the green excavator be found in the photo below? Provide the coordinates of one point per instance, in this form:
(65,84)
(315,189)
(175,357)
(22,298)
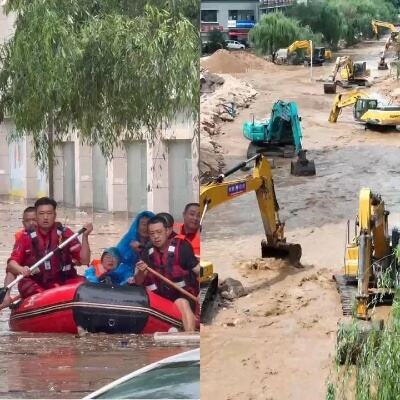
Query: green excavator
(280,136)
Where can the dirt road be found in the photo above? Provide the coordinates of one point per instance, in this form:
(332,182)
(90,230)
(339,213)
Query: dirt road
(278,342)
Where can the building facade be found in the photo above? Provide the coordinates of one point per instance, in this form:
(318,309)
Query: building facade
(158,176)
(235,18)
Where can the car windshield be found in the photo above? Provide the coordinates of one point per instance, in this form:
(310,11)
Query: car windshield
(178,380)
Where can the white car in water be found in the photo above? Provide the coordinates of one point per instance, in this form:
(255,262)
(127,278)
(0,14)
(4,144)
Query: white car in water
(176,377)
(234,45)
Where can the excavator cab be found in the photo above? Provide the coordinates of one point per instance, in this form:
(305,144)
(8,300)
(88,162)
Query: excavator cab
(318,56)
(360,69)
(362,106)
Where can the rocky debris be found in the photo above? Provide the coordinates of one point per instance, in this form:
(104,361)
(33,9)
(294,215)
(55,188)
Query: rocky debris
(263,264)
(221,100)
(231,289)
(209,82)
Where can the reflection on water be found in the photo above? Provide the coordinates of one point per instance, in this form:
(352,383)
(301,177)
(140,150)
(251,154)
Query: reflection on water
(65,366)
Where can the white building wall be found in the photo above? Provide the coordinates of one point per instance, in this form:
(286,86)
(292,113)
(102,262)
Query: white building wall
(5,127)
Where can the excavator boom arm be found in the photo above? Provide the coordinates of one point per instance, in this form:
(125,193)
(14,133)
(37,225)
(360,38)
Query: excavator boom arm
(382,24)
(299,44)
(344,100)
(261,183)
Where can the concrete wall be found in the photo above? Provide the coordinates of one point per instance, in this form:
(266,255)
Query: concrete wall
(21,178)
(6,25)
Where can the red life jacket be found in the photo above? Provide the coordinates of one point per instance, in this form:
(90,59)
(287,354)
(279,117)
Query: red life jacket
(167,264)
(192,238)
(59,267)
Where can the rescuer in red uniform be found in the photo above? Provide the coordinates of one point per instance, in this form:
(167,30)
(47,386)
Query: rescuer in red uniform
(36,243)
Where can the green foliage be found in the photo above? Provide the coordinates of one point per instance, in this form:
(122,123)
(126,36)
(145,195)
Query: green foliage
(275,31)
(358,14)
(377,365)
(332,24)
(109,69)
(343,19)
(216,41)
(308,14)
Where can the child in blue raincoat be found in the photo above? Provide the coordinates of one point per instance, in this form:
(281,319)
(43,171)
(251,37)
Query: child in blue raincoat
(107,269)
(133,242)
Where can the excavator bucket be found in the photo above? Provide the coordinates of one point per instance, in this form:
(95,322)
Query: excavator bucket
(285,251)
(329,87)
(302,166)
(382,65)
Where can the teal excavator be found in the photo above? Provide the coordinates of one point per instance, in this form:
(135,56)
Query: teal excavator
(280,136)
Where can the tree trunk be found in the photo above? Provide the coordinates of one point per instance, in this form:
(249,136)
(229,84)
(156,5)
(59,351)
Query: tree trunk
(50,156)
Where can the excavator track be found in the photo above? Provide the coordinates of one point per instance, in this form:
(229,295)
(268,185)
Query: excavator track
(207,292)
(347,292)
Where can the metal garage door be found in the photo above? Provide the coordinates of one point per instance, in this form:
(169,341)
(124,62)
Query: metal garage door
(69,174)
(137,176)
(99,173)
(180,176)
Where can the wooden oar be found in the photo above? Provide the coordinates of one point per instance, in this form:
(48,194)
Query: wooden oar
(4,290)
(13,300)
(172,284)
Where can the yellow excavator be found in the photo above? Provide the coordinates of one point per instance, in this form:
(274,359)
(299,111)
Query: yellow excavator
(382,24)
(371,269)
(367,255)
(220,191)
(351,74)
(393,35)
(366,110)
(320,54)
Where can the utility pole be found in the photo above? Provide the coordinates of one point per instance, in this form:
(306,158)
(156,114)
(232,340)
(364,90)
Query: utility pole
(311,59)
(50,156)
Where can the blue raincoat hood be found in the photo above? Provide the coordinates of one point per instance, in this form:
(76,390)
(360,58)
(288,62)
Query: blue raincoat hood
(128,256)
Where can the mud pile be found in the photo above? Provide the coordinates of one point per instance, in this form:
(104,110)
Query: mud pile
(390,89)
(226,62)
(221,99)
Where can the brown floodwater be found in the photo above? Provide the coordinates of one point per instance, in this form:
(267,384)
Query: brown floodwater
(65,366)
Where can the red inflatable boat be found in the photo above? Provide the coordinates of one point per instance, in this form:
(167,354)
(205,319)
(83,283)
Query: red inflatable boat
(95,308)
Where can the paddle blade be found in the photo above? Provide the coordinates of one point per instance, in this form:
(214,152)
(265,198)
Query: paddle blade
(3,292)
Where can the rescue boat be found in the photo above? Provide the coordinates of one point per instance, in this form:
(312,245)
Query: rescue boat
(95,308)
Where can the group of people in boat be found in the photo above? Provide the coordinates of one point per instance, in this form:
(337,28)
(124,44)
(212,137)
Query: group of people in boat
(153,243)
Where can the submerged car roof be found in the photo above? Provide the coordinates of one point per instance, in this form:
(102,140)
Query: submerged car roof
(187,356)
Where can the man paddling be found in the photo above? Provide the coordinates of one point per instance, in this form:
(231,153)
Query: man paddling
(173,258)
(34,245)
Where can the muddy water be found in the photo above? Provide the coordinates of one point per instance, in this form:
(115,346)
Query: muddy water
(64,366)
(329,197)
(307,203)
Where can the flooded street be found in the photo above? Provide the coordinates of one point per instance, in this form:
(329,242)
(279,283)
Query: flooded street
(65,366)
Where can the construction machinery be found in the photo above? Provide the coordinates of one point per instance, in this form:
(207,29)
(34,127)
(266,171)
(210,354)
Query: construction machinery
(382,65)
(295,57)
(220,191)
(382,24)
(371,272)
(281,135)
(351,74)
(368,256)
(299,52)
(366,110)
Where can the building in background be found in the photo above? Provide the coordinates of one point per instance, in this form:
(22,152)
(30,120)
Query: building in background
(160,176)
(236,17)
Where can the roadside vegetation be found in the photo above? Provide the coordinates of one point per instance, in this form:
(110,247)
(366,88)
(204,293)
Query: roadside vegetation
(326,22)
